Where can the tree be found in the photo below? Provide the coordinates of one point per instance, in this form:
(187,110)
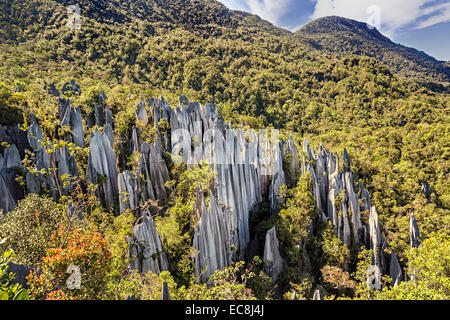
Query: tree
(74,268)
(29,228)
(429,268)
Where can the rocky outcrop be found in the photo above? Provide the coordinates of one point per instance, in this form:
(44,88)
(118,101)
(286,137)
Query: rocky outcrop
(426,190)
(375,238)
(102,167)
(128,191)
(20,272)
(330,185)
(146,252)
(272,260)
(76,125)
(293,157)
(10,191)
(153,169)
(14,136)
(414,232)
(249,167)
(211,240)
(395,271)
(278,180)
(165,294)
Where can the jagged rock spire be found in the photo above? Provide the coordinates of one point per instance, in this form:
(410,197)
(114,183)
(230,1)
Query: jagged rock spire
(102,165)
(414,232)
(272,260)
(211,241)
(426,190)
(146,252)
(375,237)
(165,294)
(395,271)
(9,189)
(317,295)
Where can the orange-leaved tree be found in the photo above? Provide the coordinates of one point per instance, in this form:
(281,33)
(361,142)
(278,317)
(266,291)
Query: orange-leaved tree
(75,267)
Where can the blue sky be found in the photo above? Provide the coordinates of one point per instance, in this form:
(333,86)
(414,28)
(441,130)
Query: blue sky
(422,24)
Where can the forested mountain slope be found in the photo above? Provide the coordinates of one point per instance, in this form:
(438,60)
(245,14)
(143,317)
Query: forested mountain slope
(393,128)
(345,36)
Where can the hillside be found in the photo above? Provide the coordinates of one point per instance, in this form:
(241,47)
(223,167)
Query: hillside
(345,36)
(100,109)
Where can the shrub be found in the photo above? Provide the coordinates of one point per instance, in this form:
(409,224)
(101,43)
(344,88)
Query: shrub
(335,253)
(86,251)
(141,287)
(29,227)
(337,280)
(429,266)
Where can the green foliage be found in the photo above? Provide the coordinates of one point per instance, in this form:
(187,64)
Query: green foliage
(335,253)
(395,129)
(8,290)
(345,37)
(429,267)
(29,227)
(296,217)
(141,287)
(176,226)
(10,103)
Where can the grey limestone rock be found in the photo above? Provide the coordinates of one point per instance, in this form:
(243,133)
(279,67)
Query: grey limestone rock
(102,166)
(145,249)
(272,260)
(395,271)
(20,272)
(165,294)
(426,190)
(294,163)
(9,189)
(128,191)
(153,169)
(76,124)
(211,241)
(375,237)
(414,232)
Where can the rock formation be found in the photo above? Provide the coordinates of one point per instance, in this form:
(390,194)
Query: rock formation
(395,271)
(272,260)
(102,167)
(146,252)
(165,294)
(375,237)
(9,189)
(248,166)
(414,232)
(210,241)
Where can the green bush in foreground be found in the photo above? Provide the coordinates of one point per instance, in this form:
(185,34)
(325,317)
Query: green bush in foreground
(28,228)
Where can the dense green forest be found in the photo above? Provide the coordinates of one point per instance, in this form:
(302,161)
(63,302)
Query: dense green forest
(344,36)
(389,109)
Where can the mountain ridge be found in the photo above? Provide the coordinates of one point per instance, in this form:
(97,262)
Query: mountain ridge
(344,36)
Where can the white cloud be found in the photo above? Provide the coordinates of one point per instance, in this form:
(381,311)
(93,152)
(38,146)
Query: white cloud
(441,14)
(394,14)
(270,10)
